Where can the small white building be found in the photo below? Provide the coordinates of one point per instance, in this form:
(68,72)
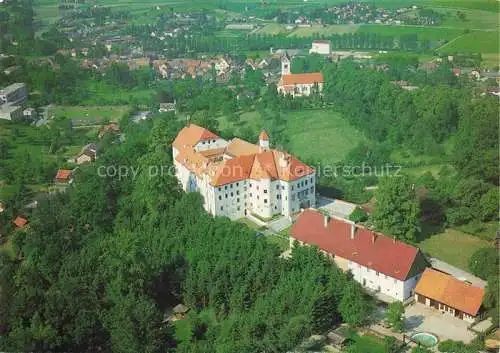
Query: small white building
(380,263)
(236,177)
(322,47)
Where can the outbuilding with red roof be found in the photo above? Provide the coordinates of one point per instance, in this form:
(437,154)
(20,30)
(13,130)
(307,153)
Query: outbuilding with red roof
(377,261)
(450,295)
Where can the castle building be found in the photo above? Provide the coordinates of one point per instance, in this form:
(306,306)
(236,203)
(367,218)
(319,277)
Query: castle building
(298,85)
(237,178)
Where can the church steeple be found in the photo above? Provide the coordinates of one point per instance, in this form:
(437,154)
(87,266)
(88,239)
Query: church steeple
(285,64)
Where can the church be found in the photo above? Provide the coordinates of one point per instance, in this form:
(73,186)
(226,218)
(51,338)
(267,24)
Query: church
(298,85)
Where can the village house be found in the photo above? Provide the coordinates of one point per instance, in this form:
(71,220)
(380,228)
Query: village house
(111,127)
(450,295)
(11,112)
(298,85)
(380,263)
(237,178)
(20,222)
(167,107)
(14,94)
(64,177)
(88,154)
(322,47)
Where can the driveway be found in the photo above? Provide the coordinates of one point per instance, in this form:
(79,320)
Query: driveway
(420,318)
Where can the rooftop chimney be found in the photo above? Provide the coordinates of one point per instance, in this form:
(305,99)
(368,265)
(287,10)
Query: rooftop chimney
(374,237)
(353,230)
(326,219)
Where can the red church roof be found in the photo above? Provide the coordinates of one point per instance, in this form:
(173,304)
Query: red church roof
(191,135)
(308,78)
(372,250)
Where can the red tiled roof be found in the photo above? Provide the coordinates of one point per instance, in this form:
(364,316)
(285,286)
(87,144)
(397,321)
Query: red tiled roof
(308,78)
(64,174)
(450,291)
(248,162)
(191,134)
(20,221)
(376,251)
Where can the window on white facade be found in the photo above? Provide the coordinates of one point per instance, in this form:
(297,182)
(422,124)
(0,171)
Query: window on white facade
(238,199)
(238,208)
(237,192)
(221,208)
(277,187)
(265,200)
(250,194)
(377,274)
(220,189)
(265,191)
(231,186)
(226,196)
(292,187)
(283,187)
(220,197)
(237,184)
(232,194)
(225,187)
(213,141)
(395,281)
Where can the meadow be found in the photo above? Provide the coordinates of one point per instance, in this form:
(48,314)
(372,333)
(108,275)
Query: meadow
(474,42)
(320,135)
(90,113)
(459,252)
(323,31)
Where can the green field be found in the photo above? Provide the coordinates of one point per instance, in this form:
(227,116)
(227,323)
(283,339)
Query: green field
(474,42)
(90,113)
(423,33)
(453,247)
(321,135)
(272,29)
(323,31)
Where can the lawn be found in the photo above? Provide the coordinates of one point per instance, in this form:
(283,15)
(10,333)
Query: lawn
(182,330)
(453,247)
(473,42)
(321,135)
(369,344)
(90,113)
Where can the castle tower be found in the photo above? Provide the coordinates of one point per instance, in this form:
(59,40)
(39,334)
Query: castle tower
(285,64)
(263,140)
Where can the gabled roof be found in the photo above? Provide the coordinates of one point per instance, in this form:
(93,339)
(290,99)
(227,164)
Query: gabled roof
(191,135)
(308,78)
(448,290)
(372,250)
(20,222)
(248,160)
(239,147)
(64,174)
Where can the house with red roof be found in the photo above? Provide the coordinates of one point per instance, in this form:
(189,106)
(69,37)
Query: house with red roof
(450,295)
(380,263)
(20,222)
(64,177)
(298,85)
(237,178)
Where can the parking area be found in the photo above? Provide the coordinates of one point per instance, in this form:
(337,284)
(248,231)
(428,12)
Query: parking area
(420,318)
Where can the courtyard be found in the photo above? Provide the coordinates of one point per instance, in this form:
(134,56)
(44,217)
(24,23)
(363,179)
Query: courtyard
(420,318)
